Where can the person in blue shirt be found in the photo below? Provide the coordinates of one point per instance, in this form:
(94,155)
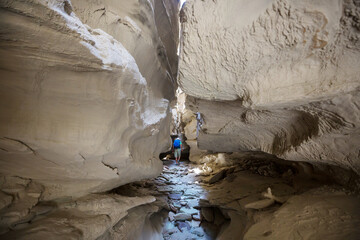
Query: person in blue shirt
(177,146)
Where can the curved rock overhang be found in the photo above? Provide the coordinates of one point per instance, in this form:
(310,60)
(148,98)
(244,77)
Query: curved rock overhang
(85,91)
(278,76)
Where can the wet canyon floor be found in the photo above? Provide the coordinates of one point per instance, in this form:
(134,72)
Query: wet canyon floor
(179,191)
(227,196)
(185,191)
(252,198)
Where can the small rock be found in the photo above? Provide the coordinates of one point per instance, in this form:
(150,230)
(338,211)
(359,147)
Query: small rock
(164,188)
(171,216)
(190,211)
(189,197)
(183,203)
(172,208)
(182,216)
(177,205)
(182,225)
(175,196)
(197,217)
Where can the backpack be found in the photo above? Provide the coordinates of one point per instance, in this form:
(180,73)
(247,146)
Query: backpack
(177,143)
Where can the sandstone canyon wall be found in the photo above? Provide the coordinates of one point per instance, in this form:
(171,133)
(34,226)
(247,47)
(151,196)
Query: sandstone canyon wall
(278,76)
(84,92)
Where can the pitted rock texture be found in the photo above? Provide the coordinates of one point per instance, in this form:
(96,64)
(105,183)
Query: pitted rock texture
(275,76)
(269,51)
(85,90)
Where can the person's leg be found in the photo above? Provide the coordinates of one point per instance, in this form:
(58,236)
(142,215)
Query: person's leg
(177,159)
(176,155)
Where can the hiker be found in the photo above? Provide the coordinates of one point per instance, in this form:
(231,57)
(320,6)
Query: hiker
(177,149)
(199,122)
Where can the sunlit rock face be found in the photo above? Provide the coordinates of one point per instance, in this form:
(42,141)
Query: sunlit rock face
(275,76)
(84,91)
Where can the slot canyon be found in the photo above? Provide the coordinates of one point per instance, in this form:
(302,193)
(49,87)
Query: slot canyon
(263,94)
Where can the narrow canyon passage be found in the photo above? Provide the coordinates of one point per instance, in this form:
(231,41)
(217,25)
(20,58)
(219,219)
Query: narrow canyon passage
(263,95)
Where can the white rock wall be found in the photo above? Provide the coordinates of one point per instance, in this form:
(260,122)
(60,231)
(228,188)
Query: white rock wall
(84,93)
(276,76)
(269,51)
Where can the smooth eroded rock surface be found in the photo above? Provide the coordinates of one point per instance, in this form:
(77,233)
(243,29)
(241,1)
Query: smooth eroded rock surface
(85,91)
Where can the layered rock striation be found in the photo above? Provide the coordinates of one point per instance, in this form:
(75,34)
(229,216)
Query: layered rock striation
(84,107)
(278,76)
(85,92)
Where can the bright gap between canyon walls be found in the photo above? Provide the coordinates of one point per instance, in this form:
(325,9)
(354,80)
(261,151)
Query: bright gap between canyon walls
(86,93)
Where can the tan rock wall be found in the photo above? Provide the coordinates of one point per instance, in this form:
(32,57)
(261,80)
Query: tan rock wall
(79,109)
(265,52)
(277,76)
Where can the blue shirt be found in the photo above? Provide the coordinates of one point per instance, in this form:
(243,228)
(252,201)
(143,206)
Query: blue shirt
(177,143)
